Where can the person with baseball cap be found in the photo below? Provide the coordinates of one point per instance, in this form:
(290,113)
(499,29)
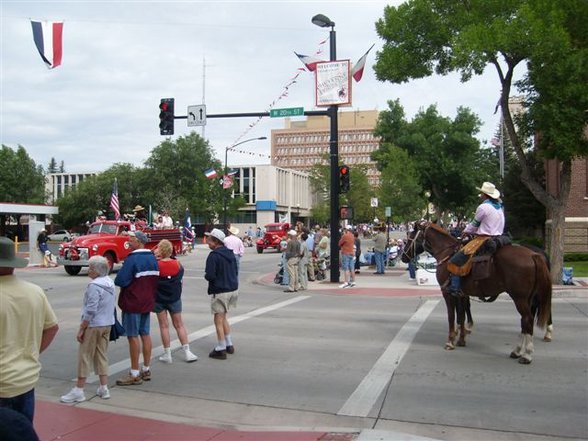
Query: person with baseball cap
(28,326)
(223,289)
(138,279)
(488,222)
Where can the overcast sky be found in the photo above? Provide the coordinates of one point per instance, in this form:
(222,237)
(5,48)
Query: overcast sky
(100,106)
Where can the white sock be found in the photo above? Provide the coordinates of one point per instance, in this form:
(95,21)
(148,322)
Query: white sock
(78,389)
(228,340)
(103,387)
(145,369)
(221,347)
(135,373)
(186,347)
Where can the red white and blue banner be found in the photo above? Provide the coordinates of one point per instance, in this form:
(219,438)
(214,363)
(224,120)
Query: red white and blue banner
(48,37)
(210,173)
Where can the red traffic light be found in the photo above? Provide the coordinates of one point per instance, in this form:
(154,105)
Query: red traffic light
(163,106)
(344,170)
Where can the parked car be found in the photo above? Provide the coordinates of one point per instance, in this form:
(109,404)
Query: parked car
(60,236)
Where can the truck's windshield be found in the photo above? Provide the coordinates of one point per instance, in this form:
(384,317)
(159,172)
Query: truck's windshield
(273,228)
(103,228)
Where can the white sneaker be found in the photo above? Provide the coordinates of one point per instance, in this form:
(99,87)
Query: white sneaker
(166,358)
(344,285)
(351,284)
(103,393)
(189,356)
(74,396)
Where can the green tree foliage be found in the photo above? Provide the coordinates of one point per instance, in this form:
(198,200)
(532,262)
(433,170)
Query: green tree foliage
(52,166)
(446,156)
(547,37)
(23,181)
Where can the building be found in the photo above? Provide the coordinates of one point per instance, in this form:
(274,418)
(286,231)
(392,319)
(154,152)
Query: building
(272,194)
(56,184)
(302,144)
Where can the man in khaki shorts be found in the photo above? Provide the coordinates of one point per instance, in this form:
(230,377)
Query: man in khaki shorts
(223,285)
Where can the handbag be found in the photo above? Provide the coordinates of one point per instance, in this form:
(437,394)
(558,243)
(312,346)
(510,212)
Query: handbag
(117,330)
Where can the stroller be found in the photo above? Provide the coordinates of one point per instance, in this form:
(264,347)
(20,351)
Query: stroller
(279,277)
(320,268)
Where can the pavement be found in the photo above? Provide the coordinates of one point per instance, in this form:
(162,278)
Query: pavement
(87,422)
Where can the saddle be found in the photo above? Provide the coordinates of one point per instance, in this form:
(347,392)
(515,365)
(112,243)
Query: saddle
(475,257)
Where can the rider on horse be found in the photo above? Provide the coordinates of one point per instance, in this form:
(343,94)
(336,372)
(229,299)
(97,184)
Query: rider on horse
(488,222)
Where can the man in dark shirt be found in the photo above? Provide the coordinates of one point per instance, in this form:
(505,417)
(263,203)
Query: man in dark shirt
(223,285)
(293,257)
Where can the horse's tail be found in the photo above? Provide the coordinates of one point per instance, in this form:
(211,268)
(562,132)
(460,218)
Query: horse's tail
(542,290)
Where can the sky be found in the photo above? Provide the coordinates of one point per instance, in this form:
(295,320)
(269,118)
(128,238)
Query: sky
(100,107)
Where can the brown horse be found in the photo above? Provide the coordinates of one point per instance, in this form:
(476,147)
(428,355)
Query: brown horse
(520,272)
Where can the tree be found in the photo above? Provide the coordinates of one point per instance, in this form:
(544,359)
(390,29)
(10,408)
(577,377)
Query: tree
(446,156)
(52,166)
(423,37)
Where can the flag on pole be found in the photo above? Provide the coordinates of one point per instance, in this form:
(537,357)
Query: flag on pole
(309,62)
(188,234)
(233,172)
(48,37)
(357,71)
(227,181)
(114,201)
(210,173)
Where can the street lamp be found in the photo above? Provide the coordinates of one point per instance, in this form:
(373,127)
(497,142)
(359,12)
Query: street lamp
(227,170)
(325,22)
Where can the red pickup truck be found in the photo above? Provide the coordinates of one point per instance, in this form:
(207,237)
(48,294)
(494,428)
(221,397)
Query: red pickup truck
(274,233)
(109,239)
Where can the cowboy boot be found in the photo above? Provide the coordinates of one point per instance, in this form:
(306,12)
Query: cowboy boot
(454,285)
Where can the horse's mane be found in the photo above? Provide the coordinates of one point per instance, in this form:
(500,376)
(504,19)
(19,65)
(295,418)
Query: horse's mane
(441,230)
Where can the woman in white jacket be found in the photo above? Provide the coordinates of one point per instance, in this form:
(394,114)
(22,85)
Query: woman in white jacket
(94,332)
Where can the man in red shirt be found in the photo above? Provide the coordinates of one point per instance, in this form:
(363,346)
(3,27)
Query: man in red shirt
(346,244)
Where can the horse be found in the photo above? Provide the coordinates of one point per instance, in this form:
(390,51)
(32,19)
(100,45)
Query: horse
(520,272)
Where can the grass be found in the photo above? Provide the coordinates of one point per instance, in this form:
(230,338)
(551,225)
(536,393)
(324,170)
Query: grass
(580,268)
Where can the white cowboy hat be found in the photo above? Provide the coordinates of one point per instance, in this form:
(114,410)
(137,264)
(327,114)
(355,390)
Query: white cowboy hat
(217,234)
(138,208)
(489,189)
(234,231)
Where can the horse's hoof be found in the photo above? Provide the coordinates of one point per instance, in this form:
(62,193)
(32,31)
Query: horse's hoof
(547,339)
(515,355)
(449,346)
(461,343)
(524,360)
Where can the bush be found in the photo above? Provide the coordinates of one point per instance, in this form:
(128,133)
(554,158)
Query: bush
(576,257)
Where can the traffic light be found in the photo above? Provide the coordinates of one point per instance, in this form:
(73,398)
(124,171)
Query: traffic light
(343,179)
(166,116)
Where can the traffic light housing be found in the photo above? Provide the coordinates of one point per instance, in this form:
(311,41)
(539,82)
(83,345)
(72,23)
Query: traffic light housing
(343,179)
(166,116)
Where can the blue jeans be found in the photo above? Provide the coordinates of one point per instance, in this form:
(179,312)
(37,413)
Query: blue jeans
(24,403)
(379,258)
(412,269)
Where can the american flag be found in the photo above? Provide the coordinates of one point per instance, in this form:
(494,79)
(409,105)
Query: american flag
(114,201)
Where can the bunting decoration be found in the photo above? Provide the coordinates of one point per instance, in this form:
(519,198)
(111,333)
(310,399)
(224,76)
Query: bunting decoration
(309,62)
(48,37)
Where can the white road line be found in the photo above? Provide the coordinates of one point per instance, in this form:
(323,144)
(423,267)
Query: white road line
(125,364)
(366,394)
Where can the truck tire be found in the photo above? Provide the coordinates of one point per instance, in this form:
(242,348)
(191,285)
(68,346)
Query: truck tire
(110,258)
(259,250)
(72,270)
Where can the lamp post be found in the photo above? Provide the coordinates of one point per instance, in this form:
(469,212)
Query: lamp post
(325,22)
(226,170)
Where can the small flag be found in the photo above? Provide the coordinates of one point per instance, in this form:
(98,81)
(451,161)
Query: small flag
(114,201)
(233,172)
(309,62)
(48,37)
(227,181)
(210,173)
(357,71)
(497,106)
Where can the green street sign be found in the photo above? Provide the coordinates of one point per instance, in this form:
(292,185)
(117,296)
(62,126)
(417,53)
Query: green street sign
(293,111)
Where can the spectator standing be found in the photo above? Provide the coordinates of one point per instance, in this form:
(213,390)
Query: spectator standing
(169,292)
(324,246)
(346,244)
(357,243)
(293,257)
(28,326)
(235,244)
(223,286)
(94,333)
(303,263)
(380,243)
(138,279)
(311,256)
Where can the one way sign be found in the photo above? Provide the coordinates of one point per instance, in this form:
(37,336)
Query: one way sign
(197,115)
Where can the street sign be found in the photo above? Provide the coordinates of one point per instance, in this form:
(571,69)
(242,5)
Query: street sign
(197,115)
(292,111)
(388,211)
(374,202)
